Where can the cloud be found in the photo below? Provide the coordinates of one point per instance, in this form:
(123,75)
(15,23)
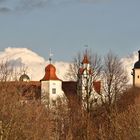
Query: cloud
(93,1)
(128,63)
(26,5)
(21,5)
(35,64)
(2,0)
(31,4)
(5,10)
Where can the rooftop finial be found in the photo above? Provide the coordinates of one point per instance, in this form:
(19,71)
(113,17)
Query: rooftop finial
(86,59)
(86,47)
(50,56)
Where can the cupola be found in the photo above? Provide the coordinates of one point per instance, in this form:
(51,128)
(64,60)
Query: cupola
(50,73)
(24,78)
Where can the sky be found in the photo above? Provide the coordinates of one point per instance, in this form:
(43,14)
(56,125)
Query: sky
(34,65)
(66,26)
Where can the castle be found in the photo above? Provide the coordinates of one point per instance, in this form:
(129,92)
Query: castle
(50,87)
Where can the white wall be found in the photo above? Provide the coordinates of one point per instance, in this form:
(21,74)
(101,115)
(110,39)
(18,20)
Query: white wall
(46,90)
(137,77)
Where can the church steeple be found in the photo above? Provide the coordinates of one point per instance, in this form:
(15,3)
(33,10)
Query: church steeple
(86,62)
(86,58)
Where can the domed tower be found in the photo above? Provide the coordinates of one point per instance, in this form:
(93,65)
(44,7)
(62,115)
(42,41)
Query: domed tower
(24,78)
(51,86)
(136,72)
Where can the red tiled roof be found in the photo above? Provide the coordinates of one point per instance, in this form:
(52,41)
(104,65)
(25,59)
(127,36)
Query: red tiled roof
(81,70)
(97,86)
(69,88)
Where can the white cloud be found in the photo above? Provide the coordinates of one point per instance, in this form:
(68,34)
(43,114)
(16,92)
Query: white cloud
(9,6)
(35,64)
(128,63)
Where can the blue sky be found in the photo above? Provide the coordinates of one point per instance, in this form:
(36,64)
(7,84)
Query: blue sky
(66,26)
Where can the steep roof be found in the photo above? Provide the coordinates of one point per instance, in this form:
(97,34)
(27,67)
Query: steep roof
(97,86)
(85,59)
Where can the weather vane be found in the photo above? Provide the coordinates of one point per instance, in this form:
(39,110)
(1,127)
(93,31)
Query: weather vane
(86,48)
(50,56)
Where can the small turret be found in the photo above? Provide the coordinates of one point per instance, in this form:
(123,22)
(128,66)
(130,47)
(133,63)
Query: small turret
(136,72)
(137,64)
(51,85)
(24,78)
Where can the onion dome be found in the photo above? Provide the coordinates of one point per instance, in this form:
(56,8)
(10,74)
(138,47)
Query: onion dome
(50,73)
(137,64)
(85,60)
(24,78)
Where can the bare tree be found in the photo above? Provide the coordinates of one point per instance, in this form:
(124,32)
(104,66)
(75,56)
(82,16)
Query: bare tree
(114,78)
(6,71)
(9,72)
(95,62)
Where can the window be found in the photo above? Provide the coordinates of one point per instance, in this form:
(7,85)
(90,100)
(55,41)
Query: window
(53,90)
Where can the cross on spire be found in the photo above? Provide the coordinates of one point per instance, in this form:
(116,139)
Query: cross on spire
(50,56)
(86,48)
(85,59)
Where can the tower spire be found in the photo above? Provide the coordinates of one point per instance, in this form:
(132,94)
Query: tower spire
(86,49)
(50,56)
(85,59)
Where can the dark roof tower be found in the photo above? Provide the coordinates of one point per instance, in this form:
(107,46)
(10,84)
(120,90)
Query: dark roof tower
(24,77)
(137,64)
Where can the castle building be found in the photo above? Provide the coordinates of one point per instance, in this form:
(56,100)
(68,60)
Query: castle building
(88,88)
(136,72)
(50,87)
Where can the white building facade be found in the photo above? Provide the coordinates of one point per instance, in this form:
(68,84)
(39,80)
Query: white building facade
(51,86)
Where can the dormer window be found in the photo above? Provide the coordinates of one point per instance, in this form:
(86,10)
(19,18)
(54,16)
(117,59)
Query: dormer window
(53,90)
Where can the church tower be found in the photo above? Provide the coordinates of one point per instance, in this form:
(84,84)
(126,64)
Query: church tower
(51,86)
(85,77)
(136,72)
